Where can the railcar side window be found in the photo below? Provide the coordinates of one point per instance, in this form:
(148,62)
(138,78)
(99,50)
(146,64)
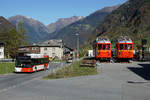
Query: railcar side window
(129,46)
(99,46)
(104,46)
(121,46)
(125,46)
(108,46)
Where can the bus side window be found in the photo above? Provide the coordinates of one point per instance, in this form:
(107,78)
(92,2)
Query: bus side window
(33,62)
(39,61)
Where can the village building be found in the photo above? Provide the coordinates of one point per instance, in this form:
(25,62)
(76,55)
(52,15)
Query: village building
(1,50)
(53,48)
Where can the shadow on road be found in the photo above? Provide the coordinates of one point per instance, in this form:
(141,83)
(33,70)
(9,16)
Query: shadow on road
(143,71)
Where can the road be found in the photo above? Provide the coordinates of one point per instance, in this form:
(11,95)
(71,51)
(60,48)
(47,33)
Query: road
(115,81)
(16,79)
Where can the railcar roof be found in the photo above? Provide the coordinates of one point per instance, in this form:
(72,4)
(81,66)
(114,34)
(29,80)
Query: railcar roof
(124,40)
(102,40)
(36,55)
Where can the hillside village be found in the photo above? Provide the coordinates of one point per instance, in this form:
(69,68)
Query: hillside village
(54,48)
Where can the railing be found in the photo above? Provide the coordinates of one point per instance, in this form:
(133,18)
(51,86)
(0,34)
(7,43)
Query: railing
(7,60)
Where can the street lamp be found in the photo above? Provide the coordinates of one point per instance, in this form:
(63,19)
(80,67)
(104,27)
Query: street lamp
(77,45)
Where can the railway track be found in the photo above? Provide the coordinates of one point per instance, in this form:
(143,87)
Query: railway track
(91,62)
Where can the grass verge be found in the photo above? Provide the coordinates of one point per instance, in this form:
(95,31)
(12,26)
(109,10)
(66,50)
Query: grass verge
(72,70)
(6,67)
(59,61)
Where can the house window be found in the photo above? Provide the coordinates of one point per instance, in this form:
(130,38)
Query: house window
(34,48)
(53,49)
(53,55)
(45,48)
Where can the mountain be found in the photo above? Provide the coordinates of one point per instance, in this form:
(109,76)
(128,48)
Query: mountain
(36,31)
(10,37)
(5,24)
(130,19)
(62,22)
(84,27)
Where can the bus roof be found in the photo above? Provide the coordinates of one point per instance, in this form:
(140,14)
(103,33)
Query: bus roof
(36,55)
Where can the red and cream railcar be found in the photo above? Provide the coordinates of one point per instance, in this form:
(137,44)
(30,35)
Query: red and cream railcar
(124,48)
(102,48)
(31,63)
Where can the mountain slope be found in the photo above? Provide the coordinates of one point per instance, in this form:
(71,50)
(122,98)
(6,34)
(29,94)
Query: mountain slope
(36,31)
(131,19)
(5,24)
(62,22)
(84,27)
(10,37)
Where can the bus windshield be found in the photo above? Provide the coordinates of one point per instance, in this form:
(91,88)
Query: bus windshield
(23,63)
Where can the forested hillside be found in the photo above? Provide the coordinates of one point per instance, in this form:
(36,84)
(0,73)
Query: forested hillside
(130,19)
(62,22)
(11,37)
(83,27)
(35,30)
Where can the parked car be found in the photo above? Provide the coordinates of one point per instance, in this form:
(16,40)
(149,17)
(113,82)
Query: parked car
(70,60)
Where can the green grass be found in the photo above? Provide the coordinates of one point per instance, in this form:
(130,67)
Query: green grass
(72,70)
(6,67)
(148,40)
(59,61)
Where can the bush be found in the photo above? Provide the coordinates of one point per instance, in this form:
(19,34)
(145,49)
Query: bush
(72,70)
(6,67)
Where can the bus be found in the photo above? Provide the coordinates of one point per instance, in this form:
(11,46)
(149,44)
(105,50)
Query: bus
(31,63)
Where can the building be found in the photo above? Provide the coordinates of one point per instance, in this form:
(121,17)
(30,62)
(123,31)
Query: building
(68,53)
(54,48)
(30,49)
(1,50)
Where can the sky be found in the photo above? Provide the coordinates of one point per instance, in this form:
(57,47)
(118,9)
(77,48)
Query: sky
(48,11)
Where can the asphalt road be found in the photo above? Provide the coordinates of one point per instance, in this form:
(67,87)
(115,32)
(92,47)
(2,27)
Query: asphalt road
(16,79)
(115,81)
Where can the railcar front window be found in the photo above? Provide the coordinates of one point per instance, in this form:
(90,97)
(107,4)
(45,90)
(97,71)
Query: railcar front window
(99,46)
(126,47)
(104,46)
(108,46)
(129,46)
(121,46)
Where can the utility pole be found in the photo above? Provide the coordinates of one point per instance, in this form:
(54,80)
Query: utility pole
(77,45)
